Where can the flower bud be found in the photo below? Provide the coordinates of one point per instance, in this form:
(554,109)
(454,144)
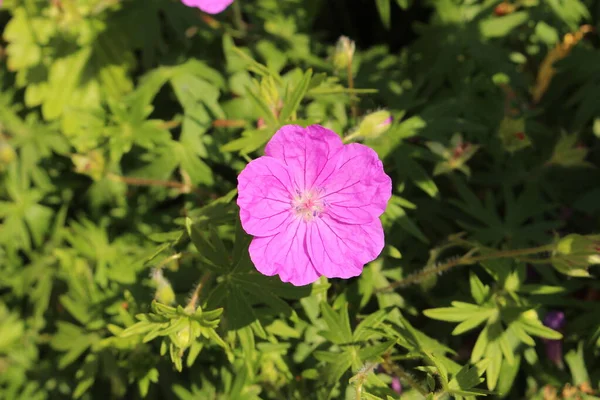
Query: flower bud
(164,291)
(344,53)
(91,164)
(7,153)
(183,340)
(375,124)
(574,253)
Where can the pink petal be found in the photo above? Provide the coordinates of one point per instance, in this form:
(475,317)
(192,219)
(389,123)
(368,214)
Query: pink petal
(358,190)
(340,250)
(208,6)
(285,254)
(306,151)
(264,195)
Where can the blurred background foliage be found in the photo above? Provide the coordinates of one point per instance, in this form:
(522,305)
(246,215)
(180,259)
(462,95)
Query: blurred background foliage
(124,272)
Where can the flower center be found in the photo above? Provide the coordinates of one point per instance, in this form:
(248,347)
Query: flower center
(307,205)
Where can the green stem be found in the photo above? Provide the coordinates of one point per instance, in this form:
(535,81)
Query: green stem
(169,259)
(351,136)
(238,20)
(191,305)
(534,260)
(353,107)
(133,181)
(464,260)
(359,390)
(401,374)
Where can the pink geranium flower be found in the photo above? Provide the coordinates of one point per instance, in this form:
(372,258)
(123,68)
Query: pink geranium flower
(209,6)
(313,205)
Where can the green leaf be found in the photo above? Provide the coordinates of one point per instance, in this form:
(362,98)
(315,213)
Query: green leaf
(576,361)
(535,328)
(281,329)
(479,291)
(372,352)
(292,101)
(516,329)
(338,324)
(508,374)
(238,311)
(254,66)
(469,376)
(137,329)
(474,321)
(273,285)
(208,243)
(404,4)
(494,356)
(263,108)
(250,141)
(481,344)
(541,289)
(384,9)
(371,322)
(63,80)
(338,364)
(495,27)
(453,314)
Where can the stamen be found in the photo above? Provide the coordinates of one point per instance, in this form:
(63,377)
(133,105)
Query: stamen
(308,204)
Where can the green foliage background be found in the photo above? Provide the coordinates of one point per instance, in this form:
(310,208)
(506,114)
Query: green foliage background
(124,272)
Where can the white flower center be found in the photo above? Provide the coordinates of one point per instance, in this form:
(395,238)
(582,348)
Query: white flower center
(308,205)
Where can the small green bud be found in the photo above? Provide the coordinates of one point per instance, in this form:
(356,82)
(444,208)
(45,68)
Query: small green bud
(500,79)
(164,291)
(531,315)
(375,124)
(596,127)
(574,253)
(184,337)
(512,282)
(344,53)
(91,164)
(7,154)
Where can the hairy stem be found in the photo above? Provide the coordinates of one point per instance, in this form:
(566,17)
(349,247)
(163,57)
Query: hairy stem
(169,259)
(182,187)
(464,260)
(353,107)
(359,390)
(351,137)
(238,19)
(191,305)
(394,369)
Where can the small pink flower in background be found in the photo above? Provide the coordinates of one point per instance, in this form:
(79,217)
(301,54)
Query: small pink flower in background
(396,385)
(554,348)
(313,205)
(208,6)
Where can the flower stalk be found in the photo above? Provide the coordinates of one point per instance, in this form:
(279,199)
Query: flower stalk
(398,371)
(466,259)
